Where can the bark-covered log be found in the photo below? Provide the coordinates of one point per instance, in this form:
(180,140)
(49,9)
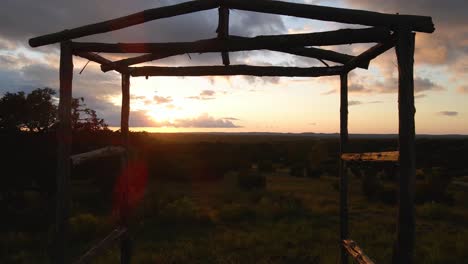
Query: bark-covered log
(101,60)
(64,138)
(341,15)
(309,52)
(404,248)
(126,21)
(236,70)
(102,246)
(356,252)
(343,171)
(79,159)
(337,37)
(223,31)
(369,55)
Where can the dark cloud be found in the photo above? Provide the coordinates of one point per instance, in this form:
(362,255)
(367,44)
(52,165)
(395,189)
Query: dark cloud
(448,113)
(207,93)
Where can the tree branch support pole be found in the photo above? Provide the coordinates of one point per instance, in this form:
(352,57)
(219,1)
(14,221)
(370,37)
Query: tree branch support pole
(126,243)
(404,247)
(343,171)
(223,31)
(64,138)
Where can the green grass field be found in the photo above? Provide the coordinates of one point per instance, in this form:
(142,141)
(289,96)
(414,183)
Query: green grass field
(294,220)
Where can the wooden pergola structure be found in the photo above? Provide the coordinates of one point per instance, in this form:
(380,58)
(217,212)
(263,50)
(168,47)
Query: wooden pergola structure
(386,30)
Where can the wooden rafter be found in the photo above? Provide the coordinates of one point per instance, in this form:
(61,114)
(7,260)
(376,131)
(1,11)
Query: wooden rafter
(350,16)
(333,14)
(235,70)
(337,37)
(309,52)
(101,60)
(126,21)
(369,55)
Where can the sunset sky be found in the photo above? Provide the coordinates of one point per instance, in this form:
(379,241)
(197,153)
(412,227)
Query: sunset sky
(243,103)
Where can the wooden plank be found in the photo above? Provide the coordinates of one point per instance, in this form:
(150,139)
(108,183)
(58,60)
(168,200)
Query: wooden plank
(388,156)
(341,15)
(310,52)
(64,138)
(343,171)
(126,21)
(102,246)
(356,252)
(223,31)
(404,248)
(236,70)
(369,55)
(97,154)
(336,37)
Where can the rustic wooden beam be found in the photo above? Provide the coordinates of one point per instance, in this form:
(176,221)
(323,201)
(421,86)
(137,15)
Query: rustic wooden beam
(404,248)
(110,151)
(369,55)
(337,37)
(236,70)
(101,60)
(64,138)
(356,252)
(126,21)
(341,15)
(126,243)
(309,52)
(343,172)
(387,156)
(102,246)
(223,31)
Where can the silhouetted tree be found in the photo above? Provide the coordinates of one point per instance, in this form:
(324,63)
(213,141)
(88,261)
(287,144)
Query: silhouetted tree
(36,112)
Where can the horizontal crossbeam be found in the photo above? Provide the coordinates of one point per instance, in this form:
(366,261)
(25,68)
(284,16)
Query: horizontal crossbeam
(310,52)
(235,70)
(333,14)
(126,21)
(337,37)
(389,156)
(341,15)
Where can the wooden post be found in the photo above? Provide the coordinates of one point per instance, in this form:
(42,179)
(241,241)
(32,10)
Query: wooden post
(126,244)
(64,138)
(343,171)
(404,247)
(223,31)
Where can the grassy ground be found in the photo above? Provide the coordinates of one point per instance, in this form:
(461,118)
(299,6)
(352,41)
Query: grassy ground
(295,220)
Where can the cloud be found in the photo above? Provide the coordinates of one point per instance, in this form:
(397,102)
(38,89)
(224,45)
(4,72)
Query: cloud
(162,99)
(352,103)
(204,95)
(463,89)
(448,113)
(205,121)
(207,93)
(231,118)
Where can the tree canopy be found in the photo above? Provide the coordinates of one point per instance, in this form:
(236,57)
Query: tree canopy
(37,112)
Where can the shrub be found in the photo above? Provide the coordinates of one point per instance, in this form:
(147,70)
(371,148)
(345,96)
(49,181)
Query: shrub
(180,211)
(278,205)
(371,186)
(434,187)
(85,226)
(234,212)
(251,181)
(435,211)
